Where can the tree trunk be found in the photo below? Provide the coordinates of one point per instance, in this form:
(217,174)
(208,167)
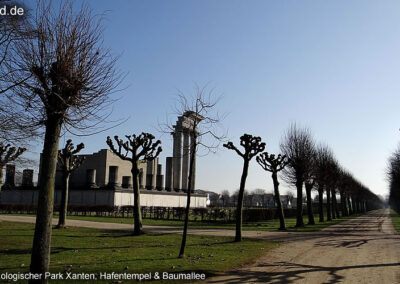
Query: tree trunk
(353,204)
(334,204)
(299,216)
(239,206)
(1,181)
(64,202)
(309,204)
(187,210)
(282,225)
(337,211)
(321,203)
(328,205)
(137,214)
(345,210)
(1,178)
(40,256)
(349,205)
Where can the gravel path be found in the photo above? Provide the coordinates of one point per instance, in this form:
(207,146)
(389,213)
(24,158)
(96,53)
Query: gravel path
(361,250)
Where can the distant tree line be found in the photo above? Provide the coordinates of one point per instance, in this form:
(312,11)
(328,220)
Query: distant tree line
(305,165)
(393,175)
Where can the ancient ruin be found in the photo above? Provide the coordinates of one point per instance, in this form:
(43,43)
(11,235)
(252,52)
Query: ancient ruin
(105,179)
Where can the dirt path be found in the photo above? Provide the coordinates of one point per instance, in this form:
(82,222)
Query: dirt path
(361,250)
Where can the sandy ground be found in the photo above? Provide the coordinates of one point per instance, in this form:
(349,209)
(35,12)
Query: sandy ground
(361,250)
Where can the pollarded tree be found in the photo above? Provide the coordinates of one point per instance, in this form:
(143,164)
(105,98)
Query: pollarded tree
(331,184)
(252,146)
(344,179)
(8,154)
(65,78)
(136,150)
(323,160)
(68,162)
(298,146)
(309,185)
(275,164)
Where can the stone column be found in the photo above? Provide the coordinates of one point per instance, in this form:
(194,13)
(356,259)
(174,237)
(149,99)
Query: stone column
(27,178)
(141,178)
(10,176)
(177,159)
(151,174)
(126,181)
(168,174)
(113,176)
(185,160)
(91,178)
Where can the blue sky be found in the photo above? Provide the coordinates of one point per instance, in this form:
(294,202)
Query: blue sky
(332,66)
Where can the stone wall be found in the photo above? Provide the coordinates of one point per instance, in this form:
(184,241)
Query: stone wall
(107,197)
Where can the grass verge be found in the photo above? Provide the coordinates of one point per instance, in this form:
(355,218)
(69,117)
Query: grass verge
(268,226)
(395,219)
(95,251)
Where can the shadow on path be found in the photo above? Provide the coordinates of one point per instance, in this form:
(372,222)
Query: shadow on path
(286,272)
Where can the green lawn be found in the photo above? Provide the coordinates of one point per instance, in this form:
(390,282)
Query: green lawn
(269,226)
(94,251)
(395,220)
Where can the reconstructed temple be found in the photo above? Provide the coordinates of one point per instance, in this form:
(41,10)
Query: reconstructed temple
(105,179)
(177,167)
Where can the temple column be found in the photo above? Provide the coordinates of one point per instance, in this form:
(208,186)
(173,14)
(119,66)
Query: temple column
(113,176)
(168,174)
(127,181)
(91,178)
(27,178)
(10,176)
(185,160)
(177,159)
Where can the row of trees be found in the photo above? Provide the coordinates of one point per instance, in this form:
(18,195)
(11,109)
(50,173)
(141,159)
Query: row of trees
(393,175)
(304,164)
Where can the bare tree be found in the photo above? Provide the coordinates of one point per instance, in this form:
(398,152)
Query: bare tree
(331,183)
(12,30)
(203,127)
(298,146)
(252,146)
(8,154)
(323,160)
(62,77)
(68,162)
(345,180)
(136,149)
(309,185)
(273,164)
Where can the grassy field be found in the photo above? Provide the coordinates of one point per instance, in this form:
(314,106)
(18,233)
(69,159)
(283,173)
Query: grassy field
(395,220)
(269,226)
(94,251)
